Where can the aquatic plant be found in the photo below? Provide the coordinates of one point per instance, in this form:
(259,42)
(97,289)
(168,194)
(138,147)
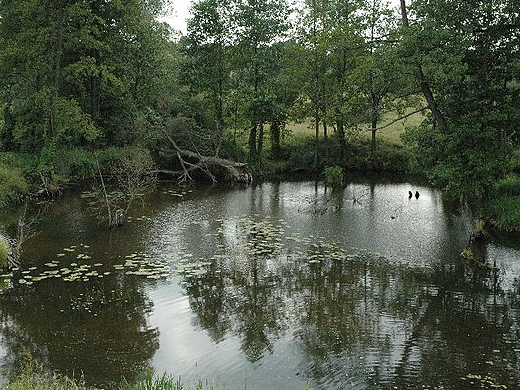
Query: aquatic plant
(32,377)
(150,381)
(333,176)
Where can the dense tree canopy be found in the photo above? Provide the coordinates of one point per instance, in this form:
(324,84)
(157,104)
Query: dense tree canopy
(95,73)
(469,54)
(77,72)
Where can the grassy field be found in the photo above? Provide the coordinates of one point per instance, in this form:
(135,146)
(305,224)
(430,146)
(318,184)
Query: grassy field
(390,134)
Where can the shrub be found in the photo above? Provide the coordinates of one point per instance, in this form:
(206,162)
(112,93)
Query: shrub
(12,185)
(300,155)
(509,186)
(333,176)
(76,164)
(27,164)
(505,211)
(34,378)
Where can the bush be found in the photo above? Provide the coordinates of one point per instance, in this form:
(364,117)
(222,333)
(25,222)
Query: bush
(32,378)
(76,164)
(509,186)
(27,164)
(505,212)
(80,163)
(333,176)
(12,185)
(393,158)
(300,155)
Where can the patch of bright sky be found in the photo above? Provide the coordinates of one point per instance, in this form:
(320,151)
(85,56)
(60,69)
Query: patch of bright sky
(181,12)
(178,18)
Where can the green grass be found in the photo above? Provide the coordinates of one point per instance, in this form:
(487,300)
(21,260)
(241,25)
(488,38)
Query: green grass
(33,378)
(12,184)
(504,208)
(390,134)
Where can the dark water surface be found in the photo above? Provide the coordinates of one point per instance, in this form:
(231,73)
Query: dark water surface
(272,286)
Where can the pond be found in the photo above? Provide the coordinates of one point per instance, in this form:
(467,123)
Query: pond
(269,286)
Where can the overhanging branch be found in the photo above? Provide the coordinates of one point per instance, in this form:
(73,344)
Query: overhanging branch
(400,119)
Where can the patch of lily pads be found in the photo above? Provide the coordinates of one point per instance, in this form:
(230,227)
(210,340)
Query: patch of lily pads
(248,237)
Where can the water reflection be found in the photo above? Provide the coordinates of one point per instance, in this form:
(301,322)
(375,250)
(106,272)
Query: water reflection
(368,294)
(273,286)
(95,327)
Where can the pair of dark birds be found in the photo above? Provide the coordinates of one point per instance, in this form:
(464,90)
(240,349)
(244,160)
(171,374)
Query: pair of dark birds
(410,195)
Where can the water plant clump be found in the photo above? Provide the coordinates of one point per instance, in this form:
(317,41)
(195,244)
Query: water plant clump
(334,177)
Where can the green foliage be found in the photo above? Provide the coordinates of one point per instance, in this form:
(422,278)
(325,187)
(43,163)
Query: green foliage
(509,186)
(333,177)
(72,76)
(503,209)
(76,163)
(504,212)
(72,125)
(33,378)
(300,155)
(150,381)
(4,250)
(515,161)
(467,254)
(81,163)
(12,185)
(25,163)
(465,52)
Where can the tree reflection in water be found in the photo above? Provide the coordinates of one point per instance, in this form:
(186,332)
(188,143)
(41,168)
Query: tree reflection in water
(270,281)
(95,330)
(363,322)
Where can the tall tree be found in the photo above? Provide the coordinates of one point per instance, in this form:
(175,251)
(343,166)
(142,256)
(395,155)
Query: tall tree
(258,24)
(381,82)
(466,58)
(74,71)
(334,34)
(208,45)
(311,33)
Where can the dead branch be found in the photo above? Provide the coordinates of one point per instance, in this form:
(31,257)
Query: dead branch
(134,177)
(191,161)
(400,118)
(25,230)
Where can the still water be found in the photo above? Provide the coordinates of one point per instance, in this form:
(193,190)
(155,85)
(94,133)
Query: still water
(271,286)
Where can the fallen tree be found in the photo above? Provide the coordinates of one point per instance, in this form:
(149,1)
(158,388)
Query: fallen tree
(213,167)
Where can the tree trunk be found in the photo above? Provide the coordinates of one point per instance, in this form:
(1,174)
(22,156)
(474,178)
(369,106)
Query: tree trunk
(275,139)
(373,149)
(252,142)
(260,139)
(374,120)
(191,161)
(342,139)
(421,79)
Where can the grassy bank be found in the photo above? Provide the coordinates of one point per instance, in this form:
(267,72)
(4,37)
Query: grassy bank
(31,379)
(22,175)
